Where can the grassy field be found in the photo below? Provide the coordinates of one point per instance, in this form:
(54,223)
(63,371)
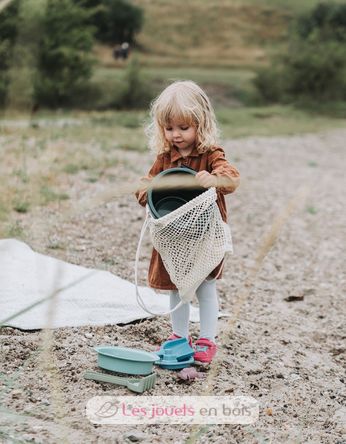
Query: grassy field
(226,87)
(38,156)
(217,44)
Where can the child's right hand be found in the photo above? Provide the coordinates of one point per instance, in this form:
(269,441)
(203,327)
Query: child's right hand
(206,179)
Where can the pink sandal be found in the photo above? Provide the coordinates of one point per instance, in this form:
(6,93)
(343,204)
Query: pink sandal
(205,350)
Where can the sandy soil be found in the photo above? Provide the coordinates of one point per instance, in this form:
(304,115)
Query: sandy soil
(284,344)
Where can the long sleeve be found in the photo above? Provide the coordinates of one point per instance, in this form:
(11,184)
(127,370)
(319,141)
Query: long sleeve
(227,174)
(141,193)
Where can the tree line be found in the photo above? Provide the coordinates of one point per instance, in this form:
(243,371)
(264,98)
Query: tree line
(313,66)
(61,35)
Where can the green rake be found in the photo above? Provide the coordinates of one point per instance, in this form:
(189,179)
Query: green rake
(138,385)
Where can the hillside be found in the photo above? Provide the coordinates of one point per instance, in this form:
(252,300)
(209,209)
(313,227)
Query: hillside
(218,33)
(223,33)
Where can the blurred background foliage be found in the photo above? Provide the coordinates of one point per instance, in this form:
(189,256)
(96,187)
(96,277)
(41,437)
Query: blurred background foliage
(313,67)
(244,53)
(115,21)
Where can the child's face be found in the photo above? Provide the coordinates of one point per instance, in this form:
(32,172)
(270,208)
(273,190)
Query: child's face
(180,134)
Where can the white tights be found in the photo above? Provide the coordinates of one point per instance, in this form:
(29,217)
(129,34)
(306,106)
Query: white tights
(208,311)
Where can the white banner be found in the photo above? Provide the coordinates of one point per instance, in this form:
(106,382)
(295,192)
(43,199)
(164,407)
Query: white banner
(172,410)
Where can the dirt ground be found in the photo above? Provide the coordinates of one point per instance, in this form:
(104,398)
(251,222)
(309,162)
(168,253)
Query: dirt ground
(284,343)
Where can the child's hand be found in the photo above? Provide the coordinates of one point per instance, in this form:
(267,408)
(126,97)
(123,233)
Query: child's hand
(206,179)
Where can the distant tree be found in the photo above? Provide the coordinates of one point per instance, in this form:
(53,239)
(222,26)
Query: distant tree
(8,21)
(327,21)
(314,65)
(8,34)
(64,61)
(116,21)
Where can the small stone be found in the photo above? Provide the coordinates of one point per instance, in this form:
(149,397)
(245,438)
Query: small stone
(37,428)
(89,335)
(294,298)
(294,376)
(135,436)
(16,394)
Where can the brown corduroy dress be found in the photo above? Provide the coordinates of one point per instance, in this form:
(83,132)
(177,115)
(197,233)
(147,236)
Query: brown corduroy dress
(213,161)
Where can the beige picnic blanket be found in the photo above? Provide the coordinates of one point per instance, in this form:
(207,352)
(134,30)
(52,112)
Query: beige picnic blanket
(83,296)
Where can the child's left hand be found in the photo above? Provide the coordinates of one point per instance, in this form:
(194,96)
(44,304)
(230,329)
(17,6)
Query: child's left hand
(206,179)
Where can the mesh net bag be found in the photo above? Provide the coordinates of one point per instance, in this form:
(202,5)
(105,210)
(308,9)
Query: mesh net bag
(192,241)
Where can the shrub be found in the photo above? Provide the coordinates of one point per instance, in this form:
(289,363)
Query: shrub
(44,53)
(64,62)
(8,34)
(270,83)
(137,92)
(314,65)
(116,21)
(316,71)
(4,79)
(327,21)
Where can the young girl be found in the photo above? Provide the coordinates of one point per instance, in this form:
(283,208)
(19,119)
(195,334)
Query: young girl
(183,132)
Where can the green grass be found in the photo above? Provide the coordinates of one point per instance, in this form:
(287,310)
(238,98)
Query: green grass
(295,6)
(21,206)
(13,230)
(224,86)
(71,168)
(93,144)
(124,119)
(218,44)
(50,195)
(219,76)
(109,130)
(3,211)
(272,120)
(311,210)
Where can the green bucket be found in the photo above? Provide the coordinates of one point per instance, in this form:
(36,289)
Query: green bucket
(163,201)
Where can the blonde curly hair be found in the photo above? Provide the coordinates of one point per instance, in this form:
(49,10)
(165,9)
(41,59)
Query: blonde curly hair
(185,101)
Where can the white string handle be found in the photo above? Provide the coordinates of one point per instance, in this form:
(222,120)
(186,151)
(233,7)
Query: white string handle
(218,274)
(138,296)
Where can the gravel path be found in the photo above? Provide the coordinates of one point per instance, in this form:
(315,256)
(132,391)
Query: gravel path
(285,341)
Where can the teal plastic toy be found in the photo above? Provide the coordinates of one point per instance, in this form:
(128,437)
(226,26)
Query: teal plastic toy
(180,349)
(138,385)
(126,360)
(170,361)
(175,354)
